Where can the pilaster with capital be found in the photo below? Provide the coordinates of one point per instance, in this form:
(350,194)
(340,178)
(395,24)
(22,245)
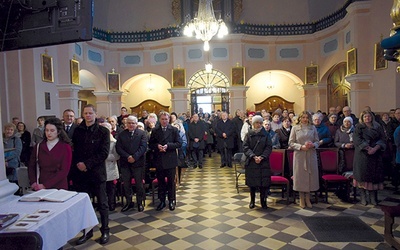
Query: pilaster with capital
(360,89)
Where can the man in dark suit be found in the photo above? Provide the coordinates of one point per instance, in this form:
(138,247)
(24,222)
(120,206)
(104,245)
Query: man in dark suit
(132,146)
(225,131)
(197,130)
(164,141)
(69,122)
(88,173)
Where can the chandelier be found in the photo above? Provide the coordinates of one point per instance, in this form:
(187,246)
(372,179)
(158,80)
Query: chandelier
(205,25)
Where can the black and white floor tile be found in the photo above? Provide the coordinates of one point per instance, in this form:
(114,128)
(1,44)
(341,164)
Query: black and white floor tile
(210,214)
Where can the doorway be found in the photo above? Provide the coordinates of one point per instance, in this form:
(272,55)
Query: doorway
(208,90)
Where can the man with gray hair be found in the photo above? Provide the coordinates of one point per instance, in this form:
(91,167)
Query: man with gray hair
(132,146)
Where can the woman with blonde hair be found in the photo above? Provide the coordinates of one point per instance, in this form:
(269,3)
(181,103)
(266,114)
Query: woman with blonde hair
(304,140)
(12,151)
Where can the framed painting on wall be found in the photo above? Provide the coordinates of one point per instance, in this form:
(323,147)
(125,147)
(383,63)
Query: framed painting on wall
(352,61)
(311,73)
(178,78)
(74,68)
(237,76)
(379,59)
(113,82)
(47,68)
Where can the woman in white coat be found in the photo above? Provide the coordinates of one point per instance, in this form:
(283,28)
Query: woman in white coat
(112,169)
(304,140)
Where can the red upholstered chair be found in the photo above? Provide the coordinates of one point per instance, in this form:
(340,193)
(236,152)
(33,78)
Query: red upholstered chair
(289,155)
(277,164)
(330,171)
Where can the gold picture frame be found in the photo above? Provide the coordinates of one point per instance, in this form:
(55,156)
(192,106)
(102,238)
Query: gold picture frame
(311,74)
(178,78)
(74,68)
(352,61)
(380,62)
(47,68)
(113,82)
(238,76)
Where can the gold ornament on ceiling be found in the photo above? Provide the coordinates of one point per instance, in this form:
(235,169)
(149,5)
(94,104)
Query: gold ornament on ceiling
(176,10)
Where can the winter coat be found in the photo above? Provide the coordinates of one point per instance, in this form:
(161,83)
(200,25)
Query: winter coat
(325,135)
(111,161)
(228,128)
(368,168)
(91,146)
(283,135)
(12,152)
(257,144)
(305,163)
(197,130)
(397,143)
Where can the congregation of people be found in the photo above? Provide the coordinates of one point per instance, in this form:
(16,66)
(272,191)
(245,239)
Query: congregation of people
(106,155)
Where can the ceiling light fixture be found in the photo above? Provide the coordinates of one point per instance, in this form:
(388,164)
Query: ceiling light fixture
(205,25)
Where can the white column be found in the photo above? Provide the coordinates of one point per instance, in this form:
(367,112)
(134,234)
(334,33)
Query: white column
(179,100)
(68,97)
(237,98)
(103,103)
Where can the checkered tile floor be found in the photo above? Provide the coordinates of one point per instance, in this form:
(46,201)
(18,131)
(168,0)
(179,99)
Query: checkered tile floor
(210,214)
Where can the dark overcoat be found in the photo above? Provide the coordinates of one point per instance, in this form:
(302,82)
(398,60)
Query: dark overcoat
(257,175)
(91,146)
(197,130)
(135,145)
(368,168)
(169,159)
(228,128)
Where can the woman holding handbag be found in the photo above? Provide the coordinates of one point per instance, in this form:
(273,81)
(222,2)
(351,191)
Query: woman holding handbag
(51,159)
(257,147)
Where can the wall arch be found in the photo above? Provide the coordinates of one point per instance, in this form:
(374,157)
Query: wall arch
(146,86)
(285,84)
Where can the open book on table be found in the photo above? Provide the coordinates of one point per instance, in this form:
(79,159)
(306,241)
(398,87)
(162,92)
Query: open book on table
(54,195)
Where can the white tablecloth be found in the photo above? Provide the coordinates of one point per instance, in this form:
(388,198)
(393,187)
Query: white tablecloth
(69,219)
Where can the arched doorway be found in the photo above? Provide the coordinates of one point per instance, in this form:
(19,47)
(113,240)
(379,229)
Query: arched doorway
(208,90)
(338,87)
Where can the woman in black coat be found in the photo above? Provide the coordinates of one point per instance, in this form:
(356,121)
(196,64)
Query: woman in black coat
(369,144)
(257,147)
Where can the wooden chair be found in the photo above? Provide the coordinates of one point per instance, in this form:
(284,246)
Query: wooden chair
(277,165)
(390,213)
(330,171)
(239,169)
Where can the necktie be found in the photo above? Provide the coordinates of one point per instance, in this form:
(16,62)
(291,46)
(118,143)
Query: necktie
(164,129)
(67,128)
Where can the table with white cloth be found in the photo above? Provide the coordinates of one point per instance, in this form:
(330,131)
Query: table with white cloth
(69,218)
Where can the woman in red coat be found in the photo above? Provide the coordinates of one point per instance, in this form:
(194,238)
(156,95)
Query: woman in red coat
(54,158)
